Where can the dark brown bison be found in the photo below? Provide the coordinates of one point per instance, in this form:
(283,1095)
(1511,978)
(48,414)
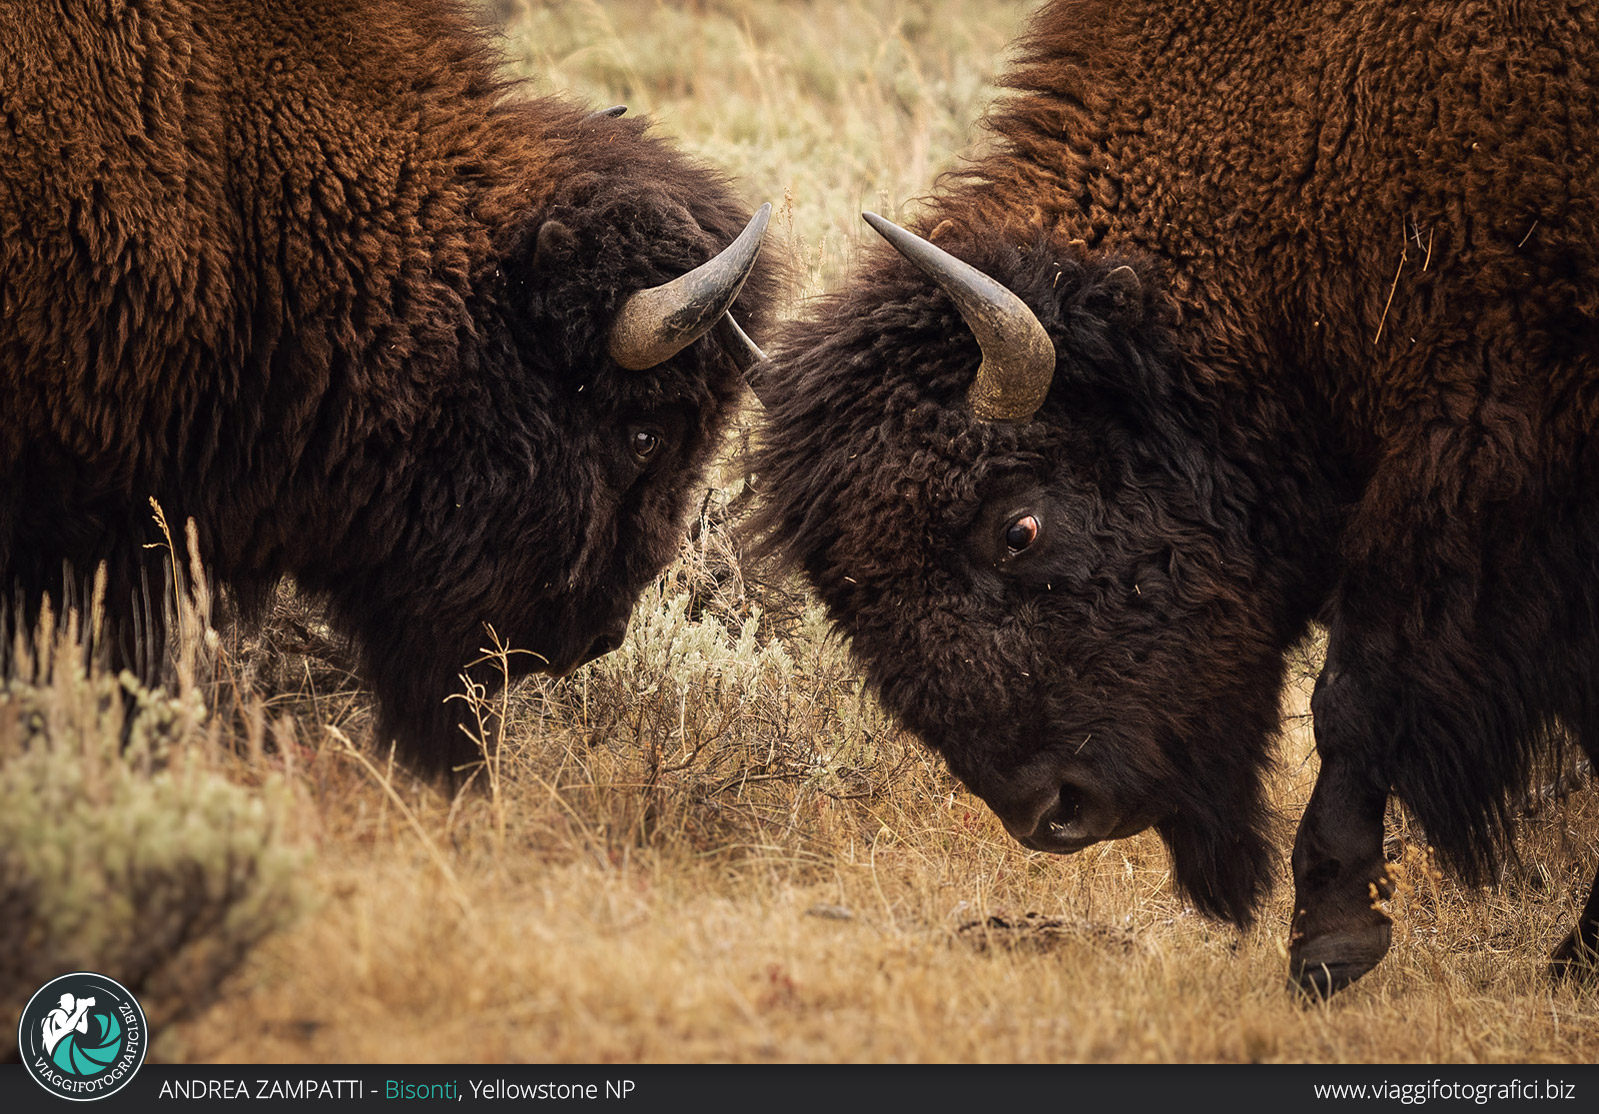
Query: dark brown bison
(1275,313)
(311,274)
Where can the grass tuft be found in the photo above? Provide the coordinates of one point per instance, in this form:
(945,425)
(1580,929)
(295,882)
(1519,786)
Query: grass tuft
(132,842)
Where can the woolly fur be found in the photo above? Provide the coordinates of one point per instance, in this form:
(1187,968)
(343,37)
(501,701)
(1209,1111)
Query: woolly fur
(275,266)
(1361,388)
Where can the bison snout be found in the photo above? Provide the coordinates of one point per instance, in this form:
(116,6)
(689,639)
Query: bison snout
(1060,816)
(607,640)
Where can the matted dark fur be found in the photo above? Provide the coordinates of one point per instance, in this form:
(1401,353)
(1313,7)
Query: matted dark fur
(1355,381)
(278,267)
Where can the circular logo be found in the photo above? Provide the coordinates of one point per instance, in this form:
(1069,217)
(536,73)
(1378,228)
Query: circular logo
(82,1036)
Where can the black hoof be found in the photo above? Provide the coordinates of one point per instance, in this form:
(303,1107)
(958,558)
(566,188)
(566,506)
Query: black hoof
(1319,982)
(1575,960)
(1321,966)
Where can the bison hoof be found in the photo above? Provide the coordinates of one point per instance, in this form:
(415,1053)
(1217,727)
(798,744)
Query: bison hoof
(1320,967)
(1576,959)
(1318,983)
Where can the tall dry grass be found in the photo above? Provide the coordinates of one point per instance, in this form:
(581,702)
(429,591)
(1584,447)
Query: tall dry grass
(142,831)
(712,845)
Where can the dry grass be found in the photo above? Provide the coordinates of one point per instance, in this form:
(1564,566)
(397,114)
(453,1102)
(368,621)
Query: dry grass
(601,908)
(711,845)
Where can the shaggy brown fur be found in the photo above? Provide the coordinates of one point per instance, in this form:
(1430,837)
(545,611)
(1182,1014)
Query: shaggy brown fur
(279,267)
(1359,385)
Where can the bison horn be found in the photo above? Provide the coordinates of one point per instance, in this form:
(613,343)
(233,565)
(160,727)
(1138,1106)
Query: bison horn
(612,113)
(1018,356)
(745,352)
(656,324)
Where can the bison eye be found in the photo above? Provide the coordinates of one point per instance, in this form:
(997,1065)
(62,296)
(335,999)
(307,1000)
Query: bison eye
(1022,533)
(644,442)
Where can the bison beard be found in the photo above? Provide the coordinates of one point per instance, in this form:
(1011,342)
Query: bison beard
(1321,290)
(311,275)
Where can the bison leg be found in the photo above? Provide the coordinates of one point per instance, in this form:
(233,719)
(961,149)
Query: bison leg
(1338,932)
(1578,953)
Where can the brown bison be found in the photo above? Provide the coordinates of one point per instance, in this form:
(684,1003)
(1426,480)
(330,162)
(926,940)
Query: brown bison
(312,275)
(1254,315)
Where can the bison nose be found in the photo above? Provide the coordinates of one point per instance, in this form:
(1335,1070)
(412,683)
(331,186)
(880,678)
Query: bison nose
(609,639)
(1055,817)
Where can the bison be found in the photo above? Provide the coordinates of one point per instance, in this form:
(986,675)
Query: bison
(314,276)
(1250,316)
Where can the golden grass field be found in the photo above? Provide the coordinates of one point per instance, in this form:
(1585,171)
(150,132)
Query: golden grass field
(711,845)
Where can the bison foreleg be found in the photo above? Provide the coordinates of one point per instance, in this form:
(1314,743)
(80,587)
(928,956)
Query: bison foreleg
(1578,954)
(1338,931)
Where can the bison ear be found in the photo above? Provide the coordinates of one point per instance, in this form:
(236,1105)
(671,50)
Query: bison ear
(1120,297)
(556,244)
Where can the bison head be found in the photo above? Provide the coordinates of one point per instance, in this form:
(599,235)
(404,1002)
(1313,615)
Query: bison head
(1046,542)
(550,480)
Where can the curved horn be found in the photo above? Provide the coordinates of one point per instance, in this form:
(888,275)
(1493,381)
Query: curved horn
(1018,356)
(656,324)
(611,113)
(745,352)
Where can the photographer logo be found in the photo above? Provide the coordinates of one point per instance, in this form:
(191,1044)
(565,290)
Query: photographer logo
(82,1036)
